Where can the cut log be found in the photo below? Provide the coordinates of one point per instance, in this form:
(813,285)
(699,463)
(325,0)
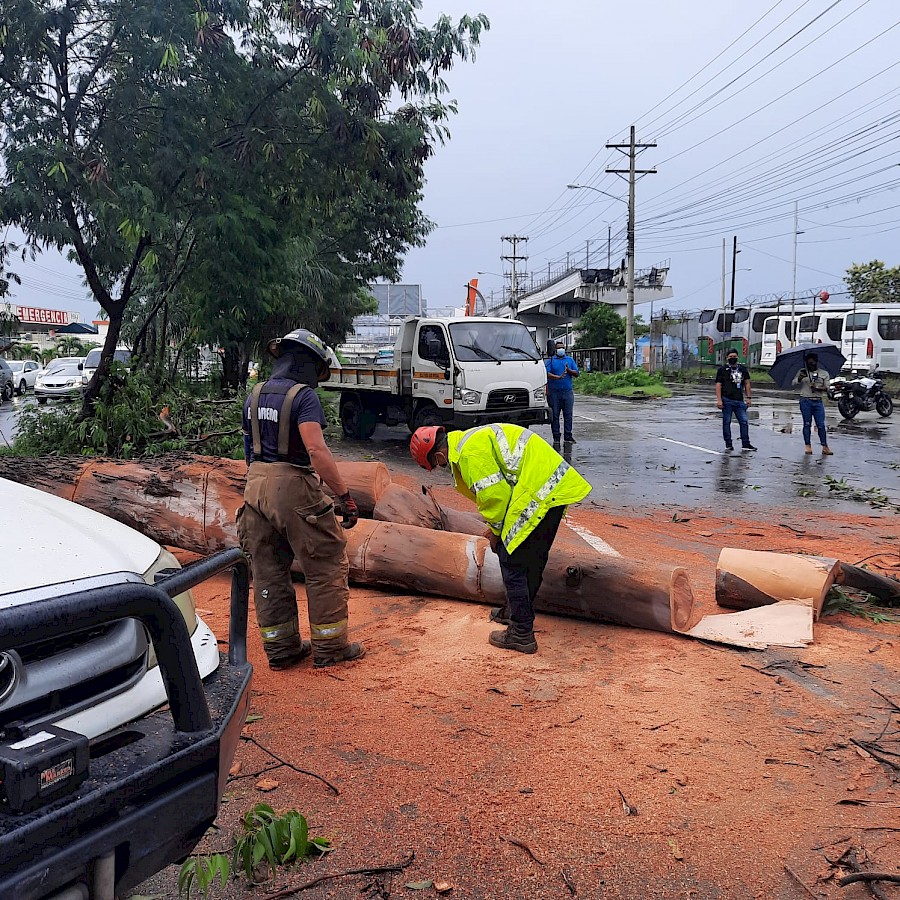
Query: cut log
(168,495)
(190,502)
(885,589)
(404,507)
(746,579)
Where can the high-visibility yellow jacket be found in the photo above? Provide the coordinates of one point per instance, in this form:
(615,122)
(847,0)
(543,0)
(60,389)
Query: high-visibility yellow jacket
(514,476)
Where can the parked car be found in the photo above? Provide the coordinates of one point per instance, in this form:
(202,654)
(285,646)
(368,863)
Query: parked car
(25,373)
(7,384)
(61,380)
(92,361)
(91,763)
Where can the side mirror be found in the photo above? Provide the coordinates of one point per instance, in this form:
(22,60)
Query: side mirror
(80,366)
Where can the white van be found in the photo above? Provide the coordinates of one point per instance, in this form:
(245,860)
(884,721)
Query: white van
(92,361)
(821,328)
(777,336)
(871,337)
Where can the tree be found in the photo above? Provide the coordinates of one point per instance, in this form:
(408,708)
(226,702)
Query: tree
(177,151)
(601,326)
(873,282)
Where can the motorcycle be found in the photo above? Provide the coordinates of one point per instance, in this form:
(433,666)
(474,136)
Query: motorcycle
(857,395)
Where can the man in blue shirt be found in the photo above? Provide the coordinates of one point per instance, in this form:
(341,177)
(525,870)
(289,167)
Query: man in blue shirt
(561,369)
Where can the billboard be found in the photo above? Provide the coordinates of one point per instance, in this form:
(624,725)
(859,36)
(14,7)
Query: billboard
(399,299)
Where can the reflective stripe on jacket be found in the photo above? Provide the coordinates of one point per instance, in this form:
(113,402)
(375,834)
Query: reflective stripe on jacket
(514,476)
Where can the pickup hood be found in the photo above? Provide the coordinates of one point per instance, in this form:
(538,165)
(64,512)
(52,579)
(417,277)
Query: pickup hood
(48,540)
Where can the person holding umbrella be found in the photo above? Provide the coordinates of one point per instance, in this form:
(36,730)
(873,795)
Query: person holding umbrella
(813,387)
(809,365)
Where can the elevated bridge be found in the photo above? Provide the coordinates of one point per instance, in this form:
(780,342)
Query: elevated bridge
(563,297)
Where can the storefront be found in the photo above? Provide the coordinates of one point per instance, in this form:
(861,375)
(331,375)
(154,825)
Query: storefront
(43,327)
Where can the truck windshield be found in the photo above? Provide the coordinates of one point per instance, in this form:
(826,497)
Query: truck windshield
(474,341)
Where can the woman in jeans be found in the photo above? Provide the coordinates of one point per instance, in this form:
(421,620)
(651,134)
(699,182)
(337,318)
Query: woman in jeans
(813,388)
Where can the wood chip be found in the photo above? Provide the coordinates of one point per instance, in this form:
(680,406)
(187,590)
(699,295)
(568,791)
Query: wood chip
(443,887)
(266,784)
(676,850)
(236,769)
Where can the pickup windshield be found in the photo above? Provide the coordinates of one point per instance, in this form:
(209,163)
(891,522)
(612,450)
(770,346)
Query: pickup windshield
(476,341)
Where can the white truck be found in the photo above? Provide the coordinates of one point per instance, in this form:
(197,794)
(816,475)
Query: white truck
(458,372)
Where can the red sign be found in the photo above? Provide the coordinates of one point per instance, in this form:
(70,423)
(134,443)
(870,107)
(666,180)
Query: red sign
(40,316)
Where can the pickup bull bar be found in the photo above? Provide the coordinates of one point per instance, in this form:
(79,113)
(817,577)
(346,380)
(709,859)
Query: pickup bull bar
(154,786)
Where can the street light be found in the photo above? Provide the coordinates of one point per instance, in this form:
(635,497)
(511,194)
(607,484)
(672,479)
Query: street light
(587,187)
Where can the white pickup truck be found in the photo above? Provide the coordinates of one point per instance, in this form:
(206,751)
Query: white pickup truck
(458,372)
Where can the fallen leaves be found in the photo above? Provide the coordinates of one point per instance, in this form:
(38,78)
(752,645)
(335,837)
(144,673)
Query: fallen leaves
(267,784)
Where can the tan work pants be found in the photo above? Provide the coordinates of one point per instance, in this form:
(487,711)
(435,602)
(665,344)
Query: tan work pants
(287,515)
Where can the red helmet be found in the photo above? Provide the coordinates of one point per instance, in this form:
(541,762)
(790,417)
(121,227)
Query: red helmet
(422,443)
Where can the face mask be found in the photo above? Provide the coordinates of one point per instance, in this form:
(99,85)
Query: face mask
(560,352)
(812,366)
(732,362)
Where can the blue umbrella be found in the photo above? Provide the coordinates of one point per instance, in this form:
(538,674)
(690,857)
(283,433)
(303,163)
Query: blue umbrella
(786,366)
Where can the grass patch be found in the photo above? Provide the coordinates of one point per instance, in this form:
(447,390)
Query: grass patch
(628,383)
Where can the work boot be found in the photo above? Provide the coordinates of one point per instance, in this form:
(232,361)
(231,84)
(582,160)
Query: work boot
(827,452)
(510,640)
(500,615)
(807,449)
(346,654)
(570,440)
(291,658)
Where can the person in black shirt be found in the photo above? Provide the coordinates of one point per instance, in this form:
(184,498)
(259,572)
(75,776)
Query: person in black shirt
(733,398)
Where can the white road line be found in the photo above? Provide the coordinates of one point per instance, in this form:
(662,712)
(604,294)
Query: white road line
(692,446)
(597,543)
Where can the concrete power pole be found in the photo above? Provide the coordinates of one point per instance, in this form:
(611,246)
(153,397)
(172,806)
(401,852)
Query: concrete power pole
(631,149)
(512,259)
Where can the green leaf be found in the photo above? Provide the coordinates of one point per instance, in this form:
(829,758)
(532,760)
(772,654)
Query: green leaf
(419,885)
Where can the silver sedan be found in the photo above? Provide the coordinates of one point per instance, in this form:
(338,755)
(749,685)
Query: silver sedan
(60,382)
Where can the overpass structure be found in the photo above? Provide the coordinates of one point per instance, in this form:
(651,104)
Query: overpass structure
(563,297)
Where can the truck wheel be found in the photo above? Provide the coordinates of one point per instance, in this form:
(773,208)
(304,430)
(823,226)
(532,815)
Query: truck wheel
(884,406)
(355,421)
(426,415)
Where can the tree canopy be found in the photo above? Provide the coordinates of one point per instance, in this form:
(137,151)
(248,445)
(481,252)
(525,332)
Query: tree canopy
(873,282)
(229,165)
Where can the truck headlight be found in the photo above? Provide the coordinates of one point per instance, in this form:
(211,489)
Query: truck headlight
(467,397)
(540,394)
(166,564)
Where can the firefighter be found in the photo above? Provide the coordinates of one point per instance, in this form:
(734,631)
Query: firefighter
(521,486)
(286,513)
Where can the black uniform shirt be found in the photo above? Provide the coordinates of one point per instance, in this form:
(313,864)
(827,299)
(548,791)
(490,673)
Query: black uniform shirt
(733,381)
(305,408)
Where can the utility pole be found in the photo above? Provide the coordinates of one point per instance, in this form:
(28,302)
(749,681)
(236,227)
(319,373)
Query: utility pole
(734,254)
(587,254)
(631,150)
(608,246)
(512,259)
(794,288)
(724,273)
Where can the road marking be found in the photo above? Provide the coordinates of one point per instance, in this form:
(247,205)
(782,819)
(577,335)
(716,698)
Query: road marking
(597,543)
(692,446)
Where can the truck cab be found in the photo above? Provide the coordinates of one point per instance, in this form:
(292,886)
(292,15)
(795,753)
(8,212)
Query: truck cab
(458,372)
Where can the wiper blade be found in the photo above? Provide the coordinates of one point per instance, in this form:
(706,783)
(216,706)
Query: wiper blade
(520,350)
(480,350)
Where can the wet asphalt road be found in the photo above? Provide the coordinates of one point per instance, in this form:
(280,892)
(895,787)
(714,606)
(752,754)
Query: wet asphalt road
(670,452)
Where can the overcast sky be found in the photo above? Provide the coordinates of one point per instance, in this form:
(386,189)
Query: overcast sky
(753,105)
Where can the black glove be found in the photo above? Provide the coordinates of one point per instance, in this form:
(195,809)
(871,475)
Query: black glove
(349,510)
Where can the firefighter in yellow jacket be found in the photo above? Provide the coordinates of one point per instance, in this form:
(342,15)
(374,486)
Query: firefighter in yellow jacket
(522,487)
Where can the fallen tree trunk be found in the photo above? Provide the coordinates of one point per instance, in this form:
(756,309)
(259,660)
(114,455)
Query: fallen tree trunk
(180,499)
(190,502)
(746,579)
(420,508)
(885,589)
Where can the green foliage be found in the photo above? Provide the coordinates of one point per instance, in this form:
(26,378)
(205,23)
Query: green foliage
(628,380)
(268,841)
(873,496)
(125,422)
(601,326)
(840,600)
(203,870)
(873,282)
(220,170)
(276,840)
